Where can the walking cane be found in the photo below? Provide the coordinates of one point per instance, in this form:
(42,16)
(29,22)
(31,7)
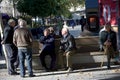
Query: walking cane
(102,60)
(104,56)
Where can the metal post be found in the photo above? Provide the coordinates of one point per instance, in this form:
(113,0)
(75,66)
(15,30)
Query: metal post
(118,21)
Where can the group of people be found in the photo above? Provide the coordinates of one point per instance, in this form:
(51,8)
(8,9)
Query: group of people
(18,46)
(66,49)
(18,41)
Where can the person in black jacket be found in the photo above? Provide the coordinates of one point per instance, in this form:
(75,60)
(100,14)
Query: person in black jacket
(11,49)
(67,48)
(48,48)
(109,42)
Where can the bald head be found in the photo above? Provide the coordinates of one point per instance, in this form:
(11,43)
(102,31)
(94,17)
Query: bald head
(64,31)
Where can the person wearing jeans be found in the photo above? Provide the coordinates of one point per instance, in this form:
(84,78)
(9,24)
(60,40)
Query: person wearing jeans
(25,53)
(23,40)
(11,49)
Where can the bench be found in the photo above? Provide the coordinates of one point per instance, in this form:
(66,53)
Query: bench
(87,52)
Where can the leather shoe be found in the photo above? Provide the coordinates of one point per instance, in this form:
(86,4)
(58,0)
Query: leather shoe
(14,73)
(32,75)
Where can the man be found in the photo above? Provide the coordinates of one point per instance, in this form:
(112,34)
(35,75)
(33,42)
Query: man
(23,40)
(109,43)
(82,22)
(16,27)
(11,49)
(67,48)
(48,49)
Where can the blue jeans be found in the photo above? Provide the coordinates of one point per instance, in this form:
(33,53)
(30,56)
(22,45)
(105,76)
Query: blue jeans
(25,54)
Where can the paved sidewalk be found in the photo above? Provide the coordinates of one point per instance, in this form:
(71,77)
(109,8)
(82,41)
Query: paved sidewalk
(82,74)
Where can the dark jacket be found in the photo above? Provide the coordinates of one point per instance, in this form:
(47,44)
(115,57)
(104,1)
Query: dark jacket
(48,43)
(112,38)
(8,35)
(67,43)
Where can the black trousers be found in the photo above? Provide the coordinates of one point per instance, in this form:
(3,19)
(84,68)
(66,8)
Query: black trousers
(12,55)
(53,59)
(82,28)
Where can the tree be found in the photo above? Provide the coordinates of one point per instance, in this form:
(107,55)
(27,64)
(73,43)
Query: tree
(44,8)
(0,1)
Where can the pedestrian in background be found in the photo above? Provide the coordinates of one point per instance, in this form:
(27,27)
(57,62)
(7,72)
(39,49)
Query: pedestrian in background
(23,40)
(11,49)
(82,22)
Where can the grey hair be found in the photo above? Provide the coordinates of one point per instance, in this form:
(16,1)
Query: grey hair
(10,21)
(23,23)
(19,20)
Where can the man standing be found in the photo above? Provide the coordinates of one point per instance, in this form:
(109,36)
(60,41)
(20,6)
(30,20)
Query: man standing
(82,22)
(48,48)
(11,49)
(109,43)
(67,48)
(23,40)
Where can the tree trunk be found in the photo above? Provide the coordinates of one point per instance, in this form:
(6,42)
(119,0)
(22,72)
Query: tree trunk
(14,13)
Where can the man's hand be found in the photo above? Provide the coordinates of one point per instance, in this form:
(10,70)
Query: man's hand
(2,42)
(64,54)
(108,44)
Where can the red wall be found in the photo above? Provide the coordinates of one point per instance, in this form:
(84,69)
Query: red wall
(108,11)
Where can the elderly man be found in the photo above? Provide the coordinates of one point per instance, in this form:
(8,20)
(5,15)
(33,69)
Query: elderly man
(109,42)
(11,49)
(67,48)
(48,48)
(23,40)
